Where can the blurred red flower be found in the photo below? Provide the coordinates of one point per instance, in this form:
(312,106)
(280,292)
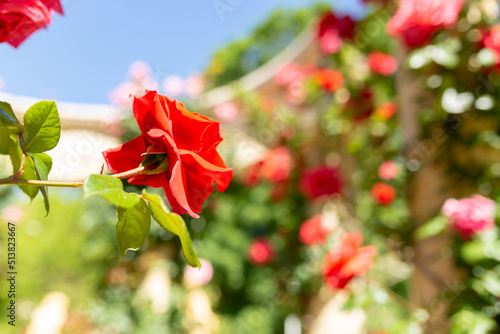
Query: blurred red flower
(383,193)
(347,260)
(386,110)
(186,141)
(343,25)
(261,251)
(360,106)
(330,42)
(321,181)
(417,20)
(330,80)
(388,170)
(467,216)
(277,164)
(21,18)
(382,63)
(314,231)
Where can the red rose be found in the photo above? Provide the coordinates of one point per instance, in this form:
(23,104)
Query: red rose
(186,141)
(347,260)
(330,80)
(21,18)
(314,231)
(417,20)
(383,193)
(382,63)
(344,25)
(321,181)
(360,106)
(386,110)
(261,251)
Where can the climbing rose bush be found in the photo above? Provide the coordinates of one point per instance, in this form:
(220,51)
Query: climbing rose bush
(416,21)
(347,260)
(321,181)
(21,18)
(184,147)
(467,216)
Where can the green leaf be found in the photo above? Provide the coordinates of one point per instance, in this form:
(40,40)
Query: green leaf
(433,227)
(44,127)
(42,172)
(111,189)
(173,223)
(16,156)
(4,140)
(133,227)
(9,119)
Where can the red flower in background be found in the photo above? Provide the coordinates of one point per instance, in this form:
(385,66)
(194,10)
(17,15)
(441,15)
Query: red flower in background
(321,181)
(277,165)
(332,29)
(383,193)
(187,141)
(21,18)
(417,20)
(261,251)
(343,25)
(330,80)
(382,63)
(360,106)
(388,170)
(467,216)
(347,260)
(314,231)
(386,110)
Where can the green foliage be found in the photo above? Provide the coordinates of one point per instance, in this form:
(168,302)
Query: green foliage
(172,223)
(111,189)
(42,169)
(43,127)
(133,227)
(9,119)
(267,40)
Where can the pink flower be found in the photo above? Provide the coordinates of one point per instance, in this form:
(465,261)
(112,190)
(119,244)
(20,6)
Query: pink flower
(321,181)
(227,111)
(330,42)
(12,214)
(416,21)
(139,70)
(198,276)
(277,165)
(261,251)
(314,231)
(173,85)
(388,170)
(195,85)
(468,216)
(347,260)
(383,193)
(382,63)
(289,74)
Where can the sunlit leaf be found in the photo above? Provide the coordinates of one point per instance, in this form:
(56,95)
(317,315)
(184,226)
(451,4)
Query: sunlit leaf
(133,227)
(43,126)
(172,223)
(9,119)
(111,189)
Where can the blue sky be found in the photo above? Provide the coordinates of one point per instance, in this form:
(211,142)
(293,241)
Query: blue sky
(86,52)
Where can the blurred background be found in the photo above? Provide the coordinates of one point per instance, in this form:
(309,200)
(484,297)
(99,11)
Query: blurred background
(365,140)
